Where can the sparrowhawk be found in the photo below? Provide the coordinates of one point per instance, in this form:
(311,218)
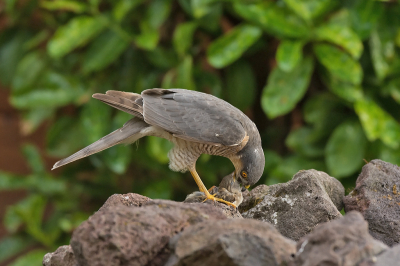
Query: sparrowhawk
(194,122)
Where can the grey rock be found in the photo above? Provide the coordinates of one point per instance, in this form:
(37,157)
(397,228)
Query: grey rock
(63,256)
(130,199)
(389,257)
(342,242)
(228,211)
(377,197)
(125,235)
(231,242)
(296,207)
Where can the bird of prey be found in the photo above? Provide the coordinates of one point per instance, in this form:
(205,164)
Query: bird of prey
(194,122)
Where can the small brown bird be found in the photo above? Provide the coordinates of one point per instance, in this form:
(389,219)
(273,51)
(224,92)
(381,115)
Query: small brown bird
(194,122)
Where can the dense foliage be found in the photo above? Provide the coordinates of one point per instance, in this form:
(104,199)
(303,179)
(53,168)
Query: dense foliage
(320,78)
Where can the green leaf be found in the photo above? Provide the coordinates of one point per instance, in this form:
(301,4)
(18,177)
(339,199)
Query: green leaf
(64,5)
(201,8)
(65,137)
(164,58)
(274,18)
(33,118)
(345,149)
(34,158)
(230,47)
(53,90)
(148,39)
(289,54)
(389,155)
(285,89)
(377,123)
(95,118)
(339,63)
(364,15)
(77,32)
(104,50)
(184,78)
(303,141)
(123,7)
(34,257)
(11,181)
(158,148)
(183,37)
(241,84)
(12,245)
(309,9)
(346,91)
(342,36)
(11,51)
(157,12)
(382,51)
(28,71)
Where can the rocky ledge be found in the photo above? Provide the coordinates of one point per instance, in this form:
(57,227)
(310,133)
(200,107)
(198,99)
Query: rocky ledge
(295,223)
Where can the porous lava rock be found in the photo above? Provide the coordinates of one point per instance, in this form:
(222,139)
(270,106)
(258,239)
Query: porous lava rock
(129,199)
(231,242)
(63,256)
(124,235)
(377,197)
(389,257)
(342,242)
(312,197)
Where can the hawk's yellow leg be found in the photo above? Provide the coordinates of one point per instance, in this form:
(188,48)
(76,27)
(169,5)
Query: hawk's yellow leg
(203,189)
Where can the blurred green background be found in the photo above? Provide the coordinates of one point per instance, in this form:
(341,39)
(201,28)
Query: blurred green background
(320,78)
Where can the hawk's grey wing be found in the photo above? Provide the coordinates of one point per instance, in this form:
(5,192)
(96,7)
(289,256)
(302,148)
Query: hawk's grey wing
(194,116)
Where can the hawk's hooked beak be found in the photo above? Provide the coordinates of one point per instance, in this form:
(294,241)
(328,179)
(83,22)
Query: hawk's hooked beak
(245,187)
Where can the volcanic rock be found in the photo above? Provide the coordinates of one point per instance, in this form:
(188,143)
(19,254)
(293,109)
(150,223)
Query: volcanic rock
(63,256)
(342,242)
(377,197)
(296,207)
(229,242)
(125,235)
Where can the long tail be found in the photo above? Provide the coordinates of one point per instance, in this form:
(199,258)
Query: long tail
(129,133)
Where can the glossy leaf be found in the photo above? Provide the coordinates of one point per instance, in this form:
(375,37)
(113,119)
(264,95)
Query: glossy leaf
(309,9)
(285,89)
(65,5)
(34,257)
(28,71)
(228,48)
(342,36)
(345,149)
(123,7)
(364,15)
(184,77)
(339,63)
(381,52)
(346,91)
(377,123)
(304,142)
(240,75)
(274,18)
(183,37)
(104,50)
(289,54)
(77,32)
(33,158)
(10,246)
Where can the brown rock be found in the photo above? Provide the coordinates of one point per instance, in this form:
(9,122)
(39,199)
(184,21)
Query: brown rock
(296,207)
(136,236)
(63,256)
(377,197)
(231,242)
(130,199)
(342,242)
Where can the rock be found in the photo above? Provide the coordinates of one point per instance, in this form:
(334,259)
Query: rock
(229,211)
(125,235)
(342,242)
(130,199)
(389,257)
(63,256)
(296,207)
(231,242)
(377,197)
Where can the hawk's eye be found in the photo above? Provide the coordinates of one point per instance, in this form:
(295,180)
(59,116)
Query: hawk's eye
(244,174)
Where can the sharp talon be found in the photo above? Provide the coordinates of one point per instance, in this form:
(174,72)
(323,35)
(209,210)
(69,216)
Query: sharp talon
(211,188)
(212,197)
